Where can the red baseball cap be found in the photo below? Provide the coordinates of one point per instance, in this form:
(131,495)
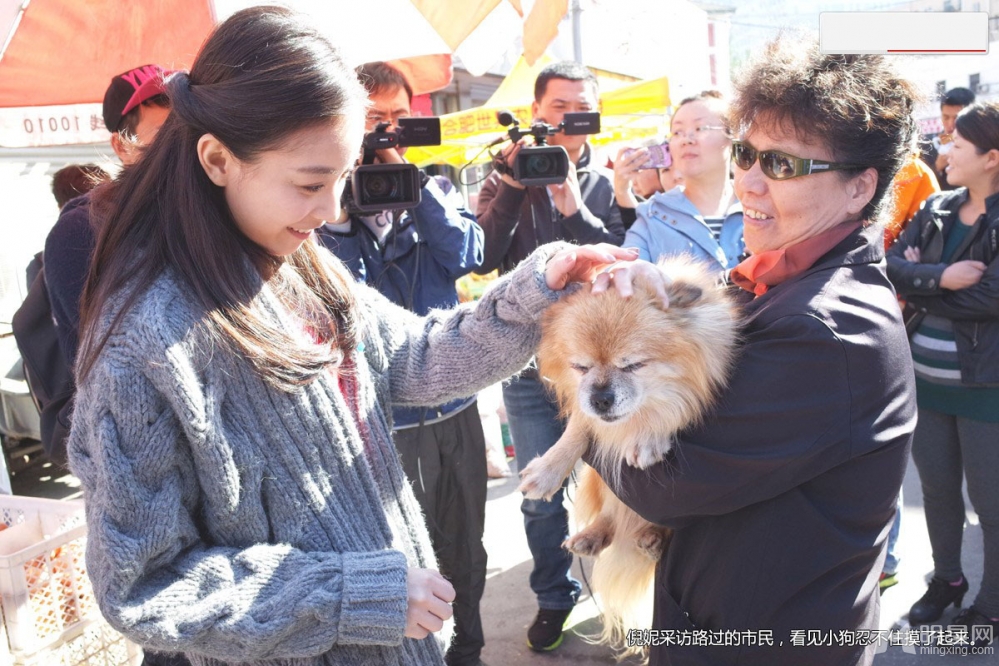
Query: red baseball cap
(130,89)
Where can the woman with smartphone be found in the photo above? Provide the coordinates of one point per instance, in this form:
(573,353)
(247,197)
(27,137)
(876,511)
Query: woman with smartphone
(640,173)
(703,217)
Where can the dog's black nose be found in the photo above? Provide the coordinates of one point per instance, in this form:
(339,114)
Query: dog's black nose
(602,399)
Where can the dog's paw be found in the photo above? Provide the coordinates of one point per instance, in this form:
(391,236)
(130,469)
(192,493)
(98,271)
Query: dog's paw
(651,541)
(537,481)
(588,543)
(643,457)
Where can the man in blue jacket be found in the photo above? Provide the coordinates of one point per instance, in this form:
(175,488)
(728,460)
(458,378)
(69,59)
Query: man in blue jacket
(413,257)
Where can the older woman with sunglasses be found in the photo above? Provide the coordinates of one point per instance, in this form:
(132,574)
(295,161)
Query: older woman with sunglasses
(782,499)
(702,218)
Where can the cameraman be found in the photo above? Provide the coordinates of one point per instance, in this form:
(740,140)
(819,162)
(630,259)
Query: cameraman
(516,220)
(413,258)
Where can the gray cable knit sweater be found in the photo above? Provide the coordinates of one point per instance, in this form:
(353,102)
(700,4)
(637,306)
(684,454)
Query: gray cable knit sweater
(243,525)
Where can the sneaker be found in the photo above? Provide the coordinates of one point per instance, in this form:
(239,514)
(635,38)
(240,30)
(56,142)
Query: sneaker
(975,623)
(940,594)
(545,633)
(477,662)
(886,580)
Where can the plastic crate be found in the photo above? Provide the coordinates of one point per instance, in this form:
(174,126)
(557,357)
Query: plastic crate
(50,614)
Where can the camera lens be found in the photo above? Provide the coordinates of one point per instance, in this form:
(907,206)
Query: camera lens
(539,165)
(380,187)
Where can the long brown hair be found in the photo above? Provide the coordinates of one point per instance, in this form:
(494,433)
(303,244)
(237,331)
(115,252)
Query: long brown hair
(261,76)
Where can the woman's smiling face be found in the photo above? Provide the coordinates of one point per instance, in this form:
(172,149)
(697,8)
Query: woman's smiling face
(781,213)
(283,195)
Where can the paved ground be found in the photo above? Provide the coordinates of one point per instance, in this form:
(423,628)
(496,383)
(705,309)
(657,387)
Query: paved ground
(509,607)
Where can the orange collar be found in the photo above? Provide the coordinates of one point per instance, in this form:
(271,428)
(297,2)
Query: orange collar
(768,269)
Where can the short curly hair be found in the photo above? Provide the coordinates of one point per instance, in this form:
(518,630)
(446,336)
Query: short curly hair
(857,106)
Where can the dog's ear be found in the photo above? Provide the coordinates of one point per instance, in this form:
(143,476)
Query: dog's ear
(683,294)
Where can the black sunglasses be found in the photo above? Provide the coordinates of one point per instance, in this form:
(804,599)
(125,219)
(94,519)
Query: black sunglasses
(781,166)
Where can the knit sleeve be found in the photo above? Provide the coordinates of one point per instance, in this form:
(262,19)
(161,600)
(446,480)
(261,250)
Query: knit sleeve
(157,575)
(454,353)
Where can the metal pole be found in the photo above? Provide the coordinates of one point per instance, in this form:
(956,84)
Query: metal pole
(577,39)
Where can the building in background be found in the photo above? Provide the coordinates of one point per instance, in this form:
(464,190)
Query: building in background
(754,22)
(719,39)
(937,74)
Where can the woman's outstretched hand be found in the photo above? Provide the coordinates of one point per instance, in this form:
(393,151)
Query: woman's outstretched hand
(583,263)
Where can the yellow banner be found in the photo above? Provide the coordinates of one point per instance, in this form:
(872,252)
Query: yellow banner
(630,113)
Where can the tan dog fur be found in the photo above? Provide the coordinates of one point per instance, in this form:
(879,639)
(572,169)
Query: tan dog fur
(628,374)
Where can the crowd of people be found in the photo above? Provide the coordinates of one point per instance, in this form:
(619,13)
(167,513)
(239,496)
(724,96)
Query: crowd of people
(274,419)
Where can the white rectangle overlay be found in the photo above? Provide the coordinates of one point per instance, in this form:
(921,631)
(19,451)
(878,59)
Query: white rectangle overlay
(919,33)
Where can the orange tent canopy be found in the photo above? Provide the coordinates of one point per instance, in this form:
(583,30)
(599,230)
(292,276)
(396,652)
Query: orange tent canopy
(57,56)
(46,63)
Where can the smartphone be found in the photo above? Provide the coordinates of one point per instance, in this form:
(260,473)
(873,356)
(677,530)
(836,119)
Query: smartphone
(659,157)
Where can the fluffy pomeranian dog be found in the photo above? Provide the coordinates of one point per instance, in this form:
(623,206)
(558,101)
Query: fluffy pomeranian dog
(628,375)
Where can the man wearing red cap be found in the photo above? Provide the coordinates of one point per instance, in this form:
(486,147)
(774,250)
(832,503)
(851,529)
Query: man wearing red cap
(135,105)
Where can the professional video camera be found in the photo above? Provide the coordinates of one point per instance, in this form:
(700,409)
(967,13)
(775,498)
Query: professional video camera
(377,187)
(541,164)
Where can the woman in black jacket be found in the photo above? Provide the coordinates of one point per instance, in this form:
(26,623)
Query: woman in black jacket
(944,265)
(782,499)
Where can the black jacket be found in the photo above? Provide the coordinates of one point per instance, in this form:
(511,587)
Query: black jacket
(781,501)
(517,221)
(68,250)
(975,310)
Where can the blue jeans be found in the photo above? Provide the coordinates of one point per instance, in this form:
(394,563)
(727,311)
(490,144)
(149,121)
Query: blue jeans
(535,426)
(893,557)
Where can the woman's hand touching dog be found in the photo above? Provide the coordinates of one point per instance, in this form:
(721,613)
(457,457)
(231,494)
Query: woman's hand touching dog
(583,263)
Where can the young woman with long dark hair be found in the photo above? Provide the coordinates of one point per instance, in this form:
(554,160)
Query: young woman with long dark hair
(244,499)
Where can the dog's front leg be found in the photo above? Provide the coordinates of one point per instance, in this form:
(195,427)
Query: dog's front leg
(592,539)
(543,477)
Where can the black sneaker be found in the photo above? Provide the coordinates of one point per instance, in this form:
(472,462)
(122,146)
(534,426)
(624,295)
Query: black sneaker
(477,662)
(939,595)
(981,630)
(545,633)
